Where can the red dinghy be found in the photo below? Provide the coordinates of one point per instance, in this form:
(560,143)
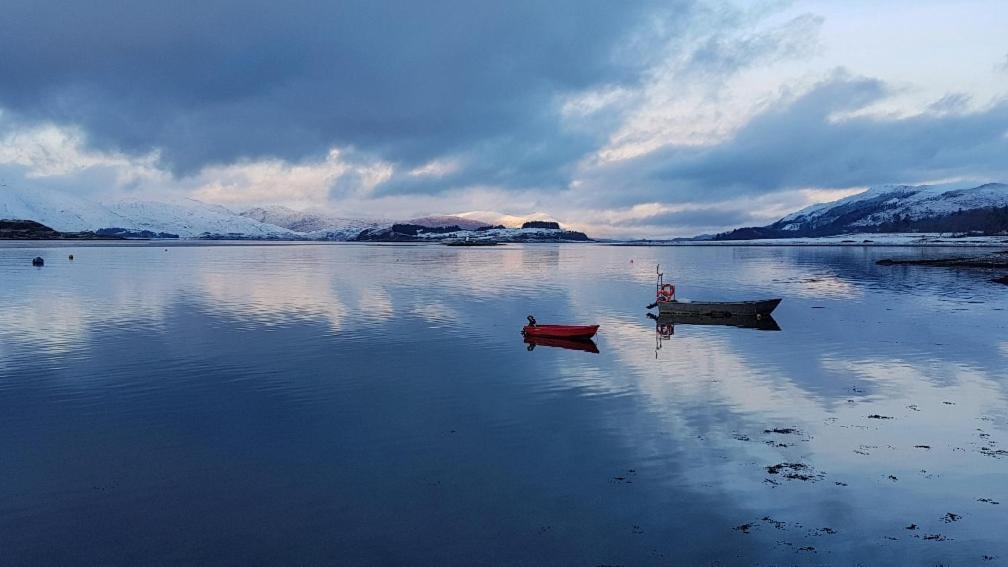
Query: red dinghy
(559,331)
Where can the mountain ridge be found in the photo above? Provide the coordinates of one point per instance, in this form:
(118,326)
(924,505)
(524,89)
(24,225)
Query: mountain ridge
(893,209)
(67,214)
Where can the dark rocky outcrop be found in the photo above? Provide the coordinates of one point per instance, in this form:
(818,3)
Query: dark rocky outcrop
(30,230)
(997,260)
(550,225)
(552,236)
(117,232)
(403,232)
(987,261)
(38,261)
(26,230)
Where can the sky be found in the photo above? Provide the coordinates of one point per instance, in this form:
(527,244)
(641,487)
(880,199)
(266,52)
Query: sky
(624,119)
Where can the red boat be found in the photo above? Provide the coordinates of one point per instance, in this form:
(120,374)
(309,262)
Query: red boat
(533,329)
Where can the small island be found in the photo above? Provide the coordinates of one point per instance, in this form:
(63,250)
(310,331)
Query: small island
(532,231)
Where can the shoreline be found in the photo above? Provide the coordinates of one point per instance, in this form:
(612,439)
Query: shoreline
(864,240)
(858,240)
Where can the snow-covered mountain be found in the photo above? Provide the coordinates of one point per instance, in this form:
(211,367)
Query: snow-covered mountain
(313,224)
(894,208)
(59,210)
(187,218)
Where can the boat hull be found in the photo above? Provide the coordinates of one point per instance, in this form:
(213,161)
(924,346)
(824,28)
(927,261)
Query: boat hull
(561,331)
(724,309)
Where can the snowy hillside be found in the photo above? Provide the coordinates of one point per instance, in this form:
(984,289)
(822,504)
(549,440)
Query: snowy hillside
(59,210)
(313,224)
(894,208)
(189,218)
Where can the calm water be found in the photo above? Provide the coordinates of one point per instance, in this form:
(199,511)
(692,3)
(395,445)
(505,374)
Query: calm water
(351,404)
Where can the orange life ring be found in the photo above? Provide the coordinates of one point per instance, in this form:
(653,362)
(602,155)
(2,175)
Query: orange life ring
(666,292)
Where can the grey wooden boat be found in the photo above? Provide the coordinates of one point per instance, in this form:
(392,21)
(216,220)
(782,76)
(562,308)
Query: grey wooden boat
(719,309)
(667,304)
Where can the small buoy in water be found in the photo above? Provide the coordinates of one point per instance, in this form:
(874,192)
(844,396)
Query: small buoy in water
(71,257)
(38,261)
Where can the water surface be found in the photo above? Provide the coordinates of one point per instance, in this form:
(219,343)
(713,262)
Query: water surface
(365,404)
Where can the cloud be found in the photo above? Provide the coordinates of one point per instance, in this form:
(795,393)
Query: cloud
(818,139)
(513,96)
(225,80)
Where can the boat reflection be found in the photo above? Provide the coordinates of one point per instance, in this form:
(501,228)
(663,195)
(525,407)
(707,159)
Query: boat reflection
(665,324)
(761,323)
(586,345)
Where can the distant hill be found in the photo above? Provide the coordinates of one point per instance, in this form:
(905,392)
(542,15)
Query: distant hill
(62,214)
(440,221)
(313,224)
(187,218)
(893,209)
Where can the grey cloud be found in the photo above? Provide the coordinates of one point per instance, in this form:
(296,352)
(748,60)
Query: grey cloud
(803,143)
(212,82)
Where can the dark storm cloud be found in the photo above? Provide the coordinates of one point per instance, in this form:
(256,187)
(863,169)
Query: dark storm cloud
(212,82)
(807,142)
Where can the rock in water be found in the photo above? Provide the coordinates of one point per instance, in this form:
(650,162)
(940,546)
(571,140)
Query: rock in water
(38,261)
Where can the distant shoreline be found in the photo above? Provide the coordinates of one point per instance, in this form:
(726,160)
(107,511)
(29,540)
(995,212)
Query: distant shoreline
(993,242)
(901,240)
